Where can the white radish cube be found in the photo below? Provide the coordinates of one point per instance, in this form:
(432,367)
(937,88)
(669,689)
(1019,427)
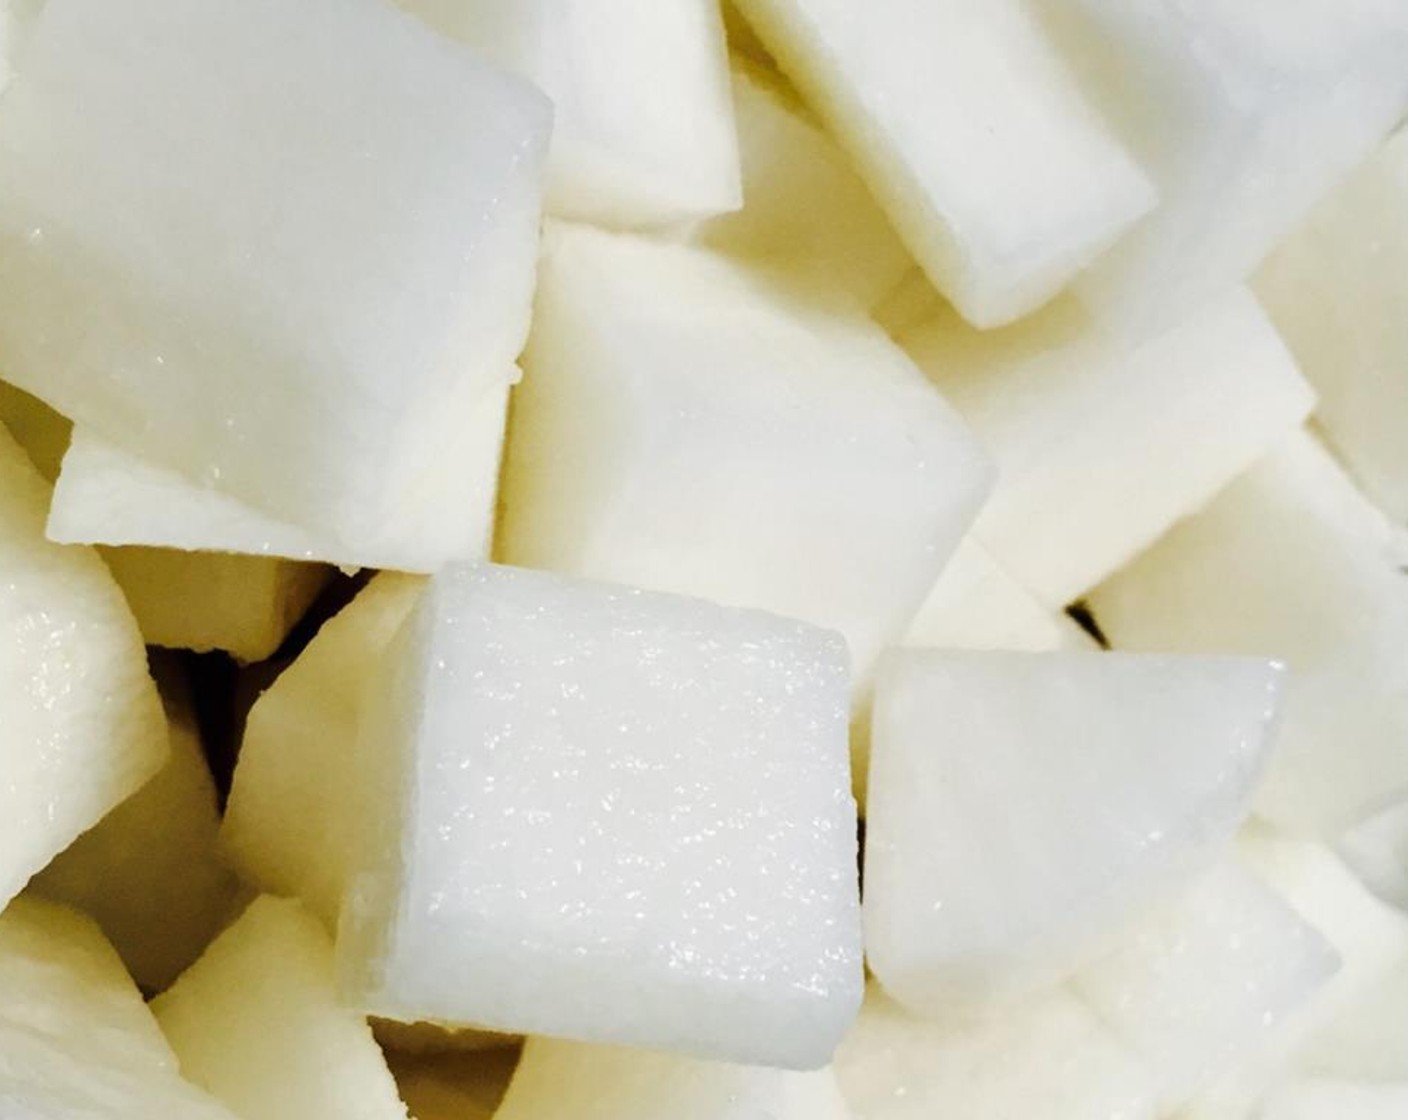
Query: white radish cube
(806,215)
(1023,808)
(1197,986)
(642,125)
(1050,1058)
(1338,290)
(1101,444)
(106,495)
(1243,112)
(1377,849)
(148,871)
(1290,561)
(615,1083)
(1364,1037)
(256,1023)
(683,427)
(278,248)
(613,816)
(82,726)
(78,1042)
(300,792)
(1330,1099)
(973,135)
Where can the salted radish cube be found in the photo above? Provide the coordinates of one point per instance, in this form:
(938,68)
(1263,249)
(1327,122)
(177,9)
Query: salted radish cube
(83,726)
(1102,443)
(683,426)
(256,1023)
(148,871)
(1003,181)
(1243,112)
(1050,1057)
(1023,807)
(614,816)
(300,791)
(617,1083)
(78,1042)
(1196,987)
(267,245)
(105,495)
(1338,291)
(1290,560)
(806,216)
(642,126)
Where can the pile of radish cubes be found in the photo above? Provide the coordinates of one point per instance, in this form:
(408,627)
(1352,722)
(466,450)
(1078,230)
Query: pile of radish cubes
(635,560)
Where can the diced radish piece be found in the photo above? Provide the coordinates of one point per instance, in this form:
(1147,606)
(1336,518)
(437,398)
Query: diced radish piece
(1377,849)
(302,319)
(973,135)
(1243,112)
(1290,559)
(806,214)
(1338,290)
(256,1023)
(1198,986)
(1051,1058)
(148,871)
(610,815)
(684,427)
(1102,445)
(107,496)
(1365,1038)
(642,121)
(1023,808)
(78,1042)
(83,726)
(300,792)
(614,1083)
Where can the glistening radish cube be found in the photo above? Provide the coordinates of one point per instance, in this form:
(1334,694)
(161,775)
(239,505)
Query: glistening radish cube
(1022,806)
(299,318)
(614,816)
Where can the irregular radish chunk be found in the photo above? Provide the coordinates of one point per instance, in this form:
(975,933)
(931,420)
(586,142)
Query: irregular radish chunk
(1022,807)
(968,127)
(1290,560)
(806,214)
(76,1040)
(614,816)
(683,427)
(642,125)
(1197,986)
(82,726)
(279,248)
(1243,112)
(1102,444)
(148,871)
(615,1083)
(1330,1099)
(1050,1058)
(300,791)
(1338,290)
(105,495)
(256,1023)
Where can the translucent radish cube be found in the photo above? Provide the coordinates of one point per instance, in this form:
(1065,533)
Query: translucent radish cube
(267,244)
(612,816)
(684,426)
(1022,808)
